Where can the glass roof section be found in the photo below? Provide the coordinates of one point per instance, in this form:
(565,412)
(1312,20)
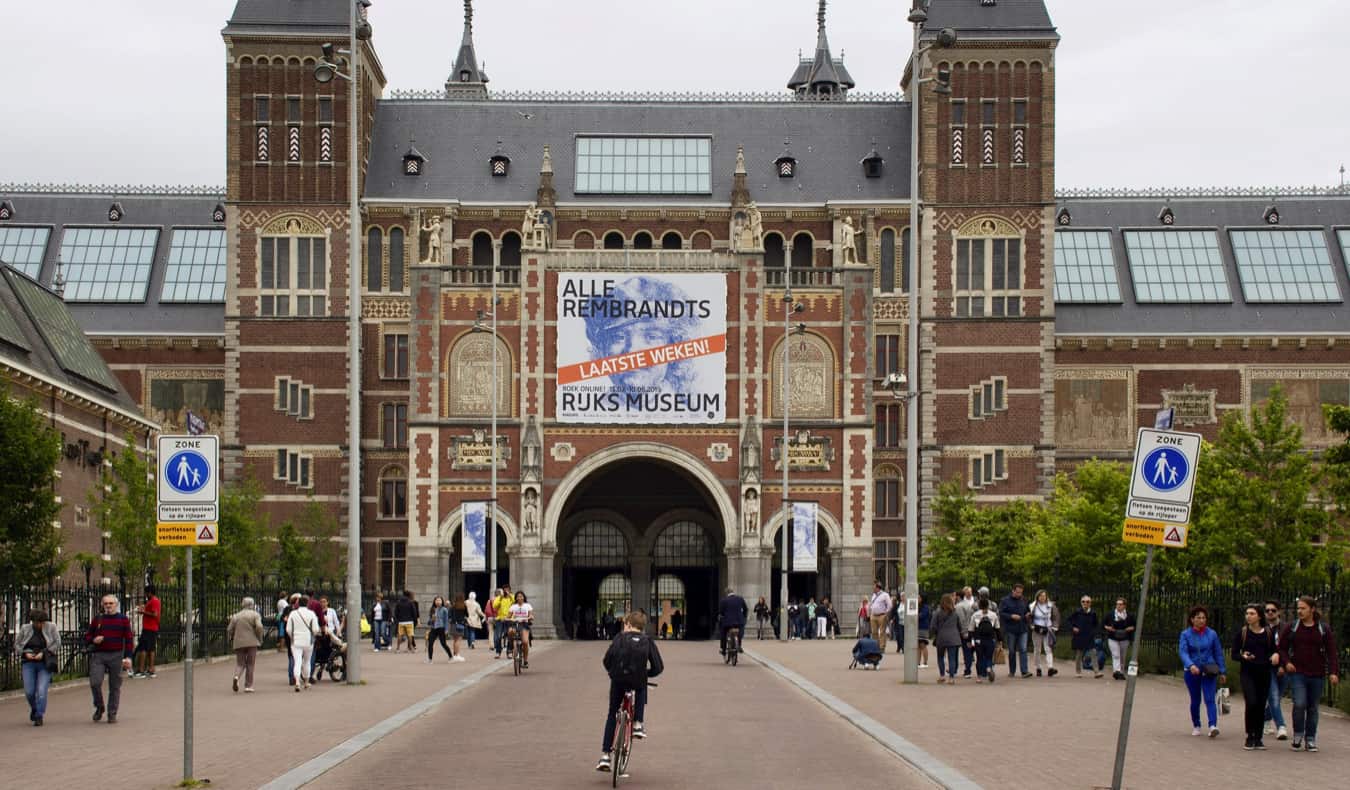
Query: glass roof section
(1085,267)
(24,247)
(1284,266)
(108,264)
(1176,266)
(196,270)
(644,165)
(10,331)
(1344,237)
(71,348)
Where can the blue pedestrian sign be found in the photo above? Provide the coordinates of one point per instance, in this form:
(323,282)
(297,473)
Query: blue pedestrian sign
(189,480)
(1164,476)
(1165,469)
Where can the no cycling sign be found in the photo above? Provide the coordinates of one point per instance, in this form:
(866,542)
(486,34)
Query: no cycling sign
(1162,487)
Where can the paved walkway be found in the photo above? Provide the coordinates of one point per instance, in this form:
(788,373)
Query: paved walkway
(712,726)
(1061,732)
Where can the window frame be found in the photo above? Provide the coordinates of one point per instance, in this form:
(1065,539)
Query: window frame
(24,266)
(394,360)
(987,467)
(988,398)
(886,431)
(635,169)
(73,268)
(395,561)
(1140,284)
(988,296)
(292,291)
(394,425)
(192,266)
(1330,282)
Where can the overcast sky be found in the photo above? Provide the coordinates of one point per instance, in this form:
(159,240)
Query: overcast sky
(1150,92)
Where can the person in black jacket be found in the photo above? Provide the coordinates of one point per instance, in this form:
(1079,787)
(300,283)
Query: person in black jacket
(761,616)
(1254,650)
(1083,624)
(1119,627)
(731,613)
(631,660)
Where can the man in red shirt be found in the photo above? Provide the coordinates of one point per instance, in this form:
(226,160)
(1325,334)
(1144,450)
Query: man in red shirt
(110,640)
(145,648)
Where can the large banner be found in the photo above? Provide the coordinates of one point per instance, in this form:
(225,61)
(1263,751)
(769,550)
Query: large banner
(804,557)
(473,537)
(642,348)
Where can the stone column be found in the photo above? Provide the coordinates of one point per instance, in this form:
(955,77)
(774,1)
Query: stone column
(641,581)
(747,573)
(532,571)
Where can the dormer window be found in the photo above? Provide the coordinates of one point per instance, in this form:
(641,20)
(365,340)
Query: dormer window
(413,162)
(1166,216)
(872,164)
(6,210)
(786,165)
(465,76)
(218,213)
(115,212)
(1064,218)
(501,163)
(1270,217)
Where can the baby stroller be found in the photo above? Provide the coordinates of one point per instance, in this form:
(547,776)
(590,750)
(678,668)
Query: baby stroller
(330,656)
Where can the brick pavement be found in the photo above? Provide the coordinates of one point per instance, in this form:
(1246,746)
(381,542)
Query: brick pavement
(712,726)
(1061,732)
(242,740)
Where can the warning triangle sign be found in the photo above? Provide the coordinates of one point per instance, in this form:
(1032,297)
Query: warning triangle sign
(1173,536)
(206,534)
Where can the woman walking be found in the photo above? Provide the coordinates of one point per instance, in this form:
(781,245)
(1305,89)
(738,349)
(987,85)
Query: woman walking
(38,644)
(1044,617)
(984,629)
(459,621)
(864,624)
(302,626)
(245,631)
(1202,658)
(925,623)
(1119,627)
(439,619)
(1083,623)
(1254,650)
(823,618)
(1308,653)
(475,616)
(761,616)
(945,632)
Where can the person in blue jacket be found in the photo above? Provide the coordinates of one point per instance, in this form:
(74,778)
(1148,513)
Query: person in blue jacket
(1202,659)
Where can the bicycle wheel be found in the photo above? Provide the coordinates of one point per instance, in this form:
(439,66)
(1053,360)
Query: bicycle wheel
(516,659)
(619,752)
(735,653)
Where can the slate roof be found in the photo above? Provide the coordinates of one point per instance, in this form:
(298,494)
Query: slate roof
(55,210)
(1004,19)
(828,138)
(289,16)
(1327,213)
(38,350)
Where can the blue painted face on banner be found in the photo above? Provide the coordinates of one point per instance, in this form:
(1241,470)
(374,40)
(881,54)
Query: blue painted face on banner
(611,335)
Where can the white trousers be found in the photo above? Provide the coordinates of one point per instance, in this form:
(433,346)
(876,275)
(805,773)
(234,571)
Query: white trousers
(300,673)
(1118,648)
(1041,649)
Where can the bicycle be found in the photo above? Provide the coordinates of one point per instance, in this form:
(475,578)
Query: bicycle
(622,747)
(513,646)
(733,646)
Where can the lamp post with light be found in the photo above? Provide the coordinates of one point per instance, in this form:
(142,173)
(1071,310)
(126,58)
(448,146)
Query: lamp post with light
(901,386)
(325,72)
(789,308)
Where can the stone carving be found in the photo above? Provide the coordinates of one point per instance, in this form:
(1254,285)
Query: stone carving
(811,382)
(1306,396)
(294,225)
(750,452)
(531,452)
(848,246)
(988,226)
(1192,406)
(433,239)
(470,374)
(750,511)
(563,452)
(475,451)
(747,229)
(529,511)
(719,452)
(534,229)
(1094,414)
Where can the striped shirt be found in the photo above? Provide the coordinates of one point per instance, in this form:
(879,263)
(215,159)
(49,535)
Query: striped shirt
(116,632)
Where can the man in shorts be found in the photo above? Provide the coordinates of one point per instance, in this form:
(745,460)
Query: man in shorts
(405,616)
(145,647)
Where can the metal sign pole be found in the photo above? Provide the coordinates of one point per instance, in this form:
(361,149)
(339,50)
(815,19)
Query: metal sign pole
(187,678)
(1131,675)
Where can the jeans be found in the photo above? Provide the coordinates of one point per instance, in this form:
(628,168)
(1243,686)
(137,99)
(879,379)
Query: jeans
(615,699)
(381,634)
(1255,693)
(967,656)
(106,662)
(1278,685)
(1307,693)
(471,633)
(948,666)
(984,664)
(498,635)
(1206,685)
(36,681)
(1017,651)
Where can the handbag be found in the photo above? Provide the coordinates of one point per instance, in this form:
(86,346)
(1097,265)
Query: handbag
(49,661)
(1000,654)
(1211,670)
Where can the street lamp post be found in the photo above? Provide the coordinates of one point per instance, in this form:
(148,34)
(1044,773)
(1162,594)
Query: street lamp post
(492,329)
(946,38)
(359,31)
(789,307)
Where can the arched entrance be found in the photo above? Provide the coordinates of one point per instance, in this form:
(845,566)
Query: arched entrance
(476,581)
(654,522)
(804,583)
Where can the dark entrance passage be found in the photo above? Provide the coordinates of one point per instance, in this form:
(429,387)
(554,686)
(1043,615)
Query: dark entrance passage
(683,562)
(596,588)
(476,581)
(804,584)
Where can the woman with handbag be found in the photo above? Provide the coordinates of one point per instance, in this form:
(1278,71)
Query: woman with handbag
(459,623)
(1044,618)
(1202,659)
(37,645)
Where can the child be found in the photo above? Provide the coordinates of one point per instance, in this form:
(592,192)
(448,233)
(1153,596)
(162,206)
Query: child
(632,658)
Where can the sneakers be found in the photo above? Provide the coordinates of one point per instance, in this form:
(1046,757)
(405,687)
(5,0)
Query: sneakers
(37,722)
(248,689)
(604,765)
(1028,674)
(1260,745)
(236,684)
(112,718)
(1283,736)
(1297,743)
(1249,744)
(458,659)
(296,688)
(149,675)
(991,676)
(1213,731)
(1051,672)
(1311,745)
(98,715)
(1195,731)
(1096,674)
(1270,728)
(639,731)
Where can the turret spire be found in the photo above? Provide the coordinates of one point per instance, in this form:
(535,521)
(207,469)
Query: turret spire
(467,80)
(820,77)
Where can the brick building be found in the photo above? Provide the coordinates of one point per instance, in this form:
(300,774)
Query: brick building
(1050,328)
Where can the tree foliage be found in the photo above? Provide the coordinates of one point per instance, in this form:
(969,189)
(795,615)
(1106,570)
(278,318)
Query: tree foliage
(244,545)
(1337,480)
(127,511)
(307,547)
(29,451)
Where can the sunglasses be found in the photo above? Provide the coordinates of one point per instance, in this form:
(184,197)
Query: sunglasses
(1272,611)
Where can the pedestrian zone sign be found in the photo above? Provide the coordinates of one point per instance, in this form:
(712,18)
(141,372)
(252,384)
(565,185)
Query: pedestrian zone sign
(1155,533)
(189,483)
(1163,482)
(169,534)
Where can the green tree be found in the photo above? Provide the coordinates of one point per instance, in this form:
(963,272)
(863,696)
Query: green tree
(1337,467)
(308,548)
(1079,538)
(29,451)
(1256,513)
(127,511)
(293,562)
(243,545)
(974,544)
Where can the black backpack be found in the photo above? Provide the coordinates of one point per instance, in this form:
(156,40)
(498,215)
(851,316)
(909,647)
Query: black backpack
(986,630)
(630,663)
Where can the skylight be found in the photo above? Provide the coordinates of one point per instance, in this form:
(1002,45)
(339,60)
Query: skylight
(1176,266)
(1085,267)
(108,264)
(1284,266)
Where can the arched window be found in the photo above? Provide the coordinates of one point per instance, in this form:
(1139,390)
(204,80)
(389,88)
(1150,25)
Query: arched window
(684,544)
(482,249)
(584,240)
(702,240)
(811,387)
(614,240)
(907,266)
(774,257)
(887,261)
(803,256)
(597,544)
(888,425)
(374,261)
(642,240)
(672,241)
(886,496)
(393,493)
(396,259)
(511,249)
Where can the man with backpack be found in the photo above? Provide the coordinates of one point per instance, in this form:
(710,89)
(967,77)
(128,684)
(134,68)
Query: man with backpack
(632,659)
(1308,655)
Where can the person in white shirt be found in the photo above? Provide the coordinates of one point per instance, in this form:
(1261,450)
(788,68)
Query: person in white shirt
(878,608)
(303,628)
(965,610)
(379,617)
(522,618)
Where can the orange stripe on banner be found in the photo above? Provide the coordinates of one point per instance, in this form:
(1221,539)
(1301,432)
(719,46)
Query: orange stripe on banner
(646,358)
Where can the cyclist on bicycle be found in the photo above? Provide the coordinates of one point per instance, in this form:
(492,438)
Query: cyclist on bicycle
(731,613)
(632,658)
(521,616)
